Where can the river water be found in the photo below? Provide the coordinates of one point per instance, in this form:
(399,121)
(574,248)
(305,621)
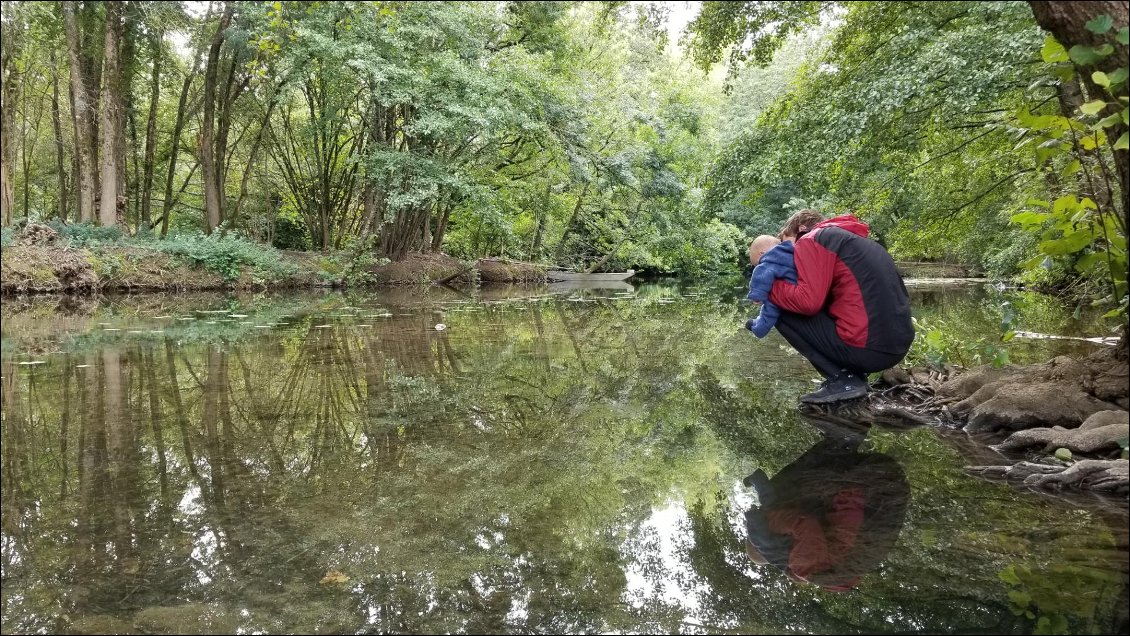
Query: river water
(512,460)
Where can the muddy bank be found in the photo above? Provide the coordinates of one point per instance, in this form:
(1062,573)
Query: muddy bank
(49,266)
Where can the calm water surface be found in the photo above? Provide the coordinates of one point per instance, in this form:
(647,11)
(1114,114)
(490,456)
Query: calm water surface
(507,461)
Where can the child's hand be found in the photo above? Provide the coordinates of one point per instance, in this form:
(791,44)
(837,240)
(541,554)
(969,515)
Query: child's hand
(749,324)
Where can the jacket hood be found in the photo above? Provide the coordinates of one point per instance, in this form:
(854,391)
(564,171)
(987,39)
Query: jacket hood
(845,222)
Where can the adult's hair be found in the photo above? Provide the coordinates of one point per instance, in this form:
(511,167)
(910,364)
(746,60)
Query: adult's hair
(800,222)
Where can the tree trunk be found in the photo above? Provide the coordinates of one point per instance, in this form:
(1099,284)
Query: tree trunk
(57,128)
(441,226)
(1067,22)
(7,137)
(151,134)
(111,116)
(174,143)
(251,156)
(213,187)
(83,111)
(122,81)
(570,224)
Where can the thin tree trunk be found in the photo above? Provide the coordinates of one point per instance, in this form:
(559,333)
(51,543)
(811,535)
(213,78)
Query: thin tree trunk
(234,215)
(111,116)
(570,224)
(122,81)
(7,137)
(57,127)
(178,128)
(151,134)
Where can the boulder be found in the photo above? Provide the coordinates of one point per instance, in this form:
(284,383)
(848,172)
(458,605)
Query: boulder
(1099,434)
(1014,407)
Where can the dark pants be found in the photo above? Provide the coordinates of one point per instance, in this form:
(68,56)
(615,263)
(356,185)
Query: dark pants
(815,338)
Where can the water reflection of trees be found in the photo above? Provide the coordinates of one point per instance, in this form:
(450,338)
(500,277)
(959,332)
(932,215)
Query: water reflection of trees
(481,478)
(440,472)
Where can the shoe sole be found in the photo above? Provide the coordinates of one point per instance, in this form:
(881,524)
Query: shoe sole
(839,397)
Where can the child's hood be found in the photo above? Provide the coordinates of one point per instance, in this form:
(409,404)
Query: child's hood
(847,222)
(780,254)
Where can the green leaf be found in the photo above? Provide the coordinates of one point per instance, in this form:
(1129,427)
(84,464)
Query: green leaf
(1038,203)
(1071,168)
(1118,76)
(1101,79)
(1008,575)
(1124,35)
(1123,142)
(1084,55)
(1065,204)
(1027,219)
(1099,24)
(1093,107)
(1069,244)
(1053,51)
(1090,262)
(1020,598)
(1107,121)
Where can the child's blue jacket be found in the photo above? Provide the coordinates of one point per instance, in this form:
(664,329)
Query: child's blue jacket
(775,263)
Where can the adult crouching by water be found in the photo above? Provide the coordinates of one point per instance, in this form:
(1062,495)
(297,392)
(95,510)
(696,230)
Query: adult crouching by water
(849,312)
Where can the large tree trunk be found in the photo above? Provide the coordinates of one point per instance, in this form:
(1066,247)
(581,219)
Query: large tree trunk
(209,163)
(111,116)
(83,112)
(1067,22)
(151,134)
(10,40)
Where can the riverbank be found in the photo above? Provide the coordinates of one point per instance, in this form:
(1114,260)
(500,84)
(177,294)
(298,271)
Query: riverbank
(40,261)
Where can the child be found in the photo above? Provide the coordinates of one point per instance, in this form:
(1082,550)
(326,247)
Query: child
(772,259)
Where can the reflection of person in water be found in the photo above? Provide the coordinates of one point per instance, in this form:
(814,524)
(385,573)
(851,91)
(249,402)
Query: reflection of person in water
(829,517)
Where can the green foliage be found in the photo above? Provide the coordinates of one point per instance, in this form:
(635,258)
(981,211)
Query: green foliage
(87,234)
(228,255)
(1040,595)
(1083,229)
(7,236)
(748,29)
(939,344)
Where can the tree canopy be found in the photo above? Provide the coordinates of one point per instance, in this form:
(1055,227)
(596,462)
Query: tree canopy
(580,134)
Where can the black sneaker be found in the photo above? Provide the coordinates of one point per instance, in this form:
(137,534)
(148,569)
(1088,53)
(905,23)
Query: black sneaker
(846,386)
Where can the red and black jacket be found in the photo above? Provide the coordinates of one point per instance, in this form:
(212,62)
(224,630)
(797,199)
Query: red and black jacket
(841,271)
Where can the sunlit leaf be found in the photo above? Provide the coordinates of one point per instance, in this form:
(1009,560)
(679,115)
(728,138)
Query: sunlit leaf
(1093,107)
(1052,51)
